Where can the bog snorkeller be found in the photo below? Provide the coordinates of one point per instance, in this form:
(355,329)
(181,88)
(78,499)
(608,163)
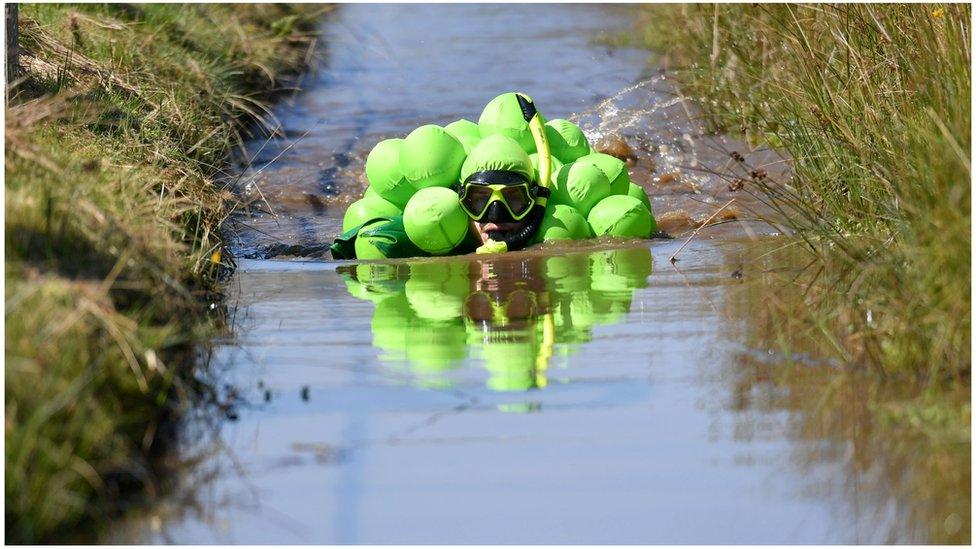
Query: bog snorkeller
(504,200)
(508,181)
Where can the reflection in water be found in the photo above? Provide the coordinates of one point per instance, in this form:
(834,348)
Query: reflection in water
(666,412)
(908,479)
(511,313)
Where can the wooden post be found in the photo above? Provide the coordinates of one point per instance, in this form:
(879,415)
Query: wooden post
(13,53)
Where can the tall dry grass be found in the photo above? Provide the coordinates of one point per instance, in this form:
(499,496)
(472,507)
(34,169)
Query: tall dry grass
(872,105)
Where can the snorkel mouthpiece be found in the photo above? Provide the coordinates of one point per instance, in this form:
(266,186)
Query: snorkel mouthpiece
(522,237)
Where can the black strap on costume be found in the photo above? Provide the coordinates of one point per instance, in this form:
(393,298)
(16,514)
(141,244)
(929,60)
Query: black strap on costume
(497,177)
(528,107)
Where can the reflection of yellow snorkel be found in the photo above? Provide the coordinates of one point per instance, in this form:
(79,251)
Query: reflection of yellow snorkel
(516,334)
(523,236)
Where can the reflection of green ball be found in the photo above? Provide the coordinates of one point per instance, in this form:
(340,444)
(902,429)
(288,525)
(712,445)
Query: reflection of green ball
(639,193)
(614,168)
(384,175)
(566,140)
(377,274)
(463,128)
(365,247)
(504,115)
(562,222)
(511,365)
(356,289)
(381,278)
(580,186)
(431,157)
(366,208)
(570,329)
(556,164)
(581,310)
(434,220)
(620,270)
(436,290)
(568,273)
(389,325)
(497,152)
(622,216)
(435,346)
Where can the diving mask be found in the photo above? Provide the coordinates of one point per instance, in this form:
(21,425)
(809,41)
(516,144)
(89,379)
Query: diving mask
(498,196)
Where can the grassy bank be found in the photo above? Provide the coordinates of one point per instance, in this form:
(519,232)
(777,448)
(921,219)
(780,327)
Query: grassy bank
(118,129)
(872,105)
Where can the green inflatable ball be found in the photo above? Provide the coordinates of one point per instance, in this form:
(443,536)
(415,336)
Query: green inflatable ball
(431,157)
(384,175)
(566,140)
(556,164)
(613,167)
(434,220)
(365,247)
(497,152)
(463,128)
(367,208)
(562,222)
(622,216)
(580,185)
(503,115)
(469,143)
(371,194)
(639,193)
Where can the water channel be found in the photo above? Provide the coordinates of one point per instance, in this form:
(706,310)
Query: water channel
(592,393)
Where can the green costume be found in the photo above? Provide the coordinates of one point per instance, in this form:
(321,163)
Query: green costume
(540,180)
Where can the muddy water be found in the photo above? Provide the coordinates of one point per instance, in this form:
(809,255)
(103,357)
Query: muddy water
(592,393)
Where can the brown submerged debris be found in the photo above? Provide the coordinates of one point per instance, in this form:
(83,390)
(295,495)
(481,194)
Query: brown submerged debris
(616,146)
(675,222)
(736,184)
(672,182)
(734,155)
(758,174)
(728,214)
(666,178)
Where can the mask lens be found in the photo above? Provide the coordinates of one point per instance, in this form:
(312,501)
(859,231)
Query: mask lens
(476,199)
(517,198)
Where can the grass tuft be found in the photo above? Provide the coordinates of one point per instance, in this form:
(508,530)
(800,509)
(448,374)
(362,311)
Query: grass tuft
(118,129)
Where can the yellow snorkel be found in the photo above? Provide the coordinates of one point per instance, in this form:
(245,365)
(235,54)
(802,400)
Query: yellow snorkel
(522,237)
